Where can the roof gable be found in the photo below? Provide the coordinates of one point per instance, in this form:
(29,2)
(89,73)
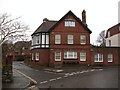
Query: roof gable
(48,25)
(71,13)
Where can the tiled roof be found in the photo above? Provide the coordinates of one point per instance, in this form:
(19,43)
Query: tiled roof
(45,26)
(49,25)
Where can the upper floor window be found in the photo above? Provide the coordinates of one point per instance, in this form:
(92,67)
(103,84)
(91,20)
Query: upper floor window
(40,40)
(70,39)
(110,57)
(98,57)
(83,39)
(37,40)
(69,23)
(57,39)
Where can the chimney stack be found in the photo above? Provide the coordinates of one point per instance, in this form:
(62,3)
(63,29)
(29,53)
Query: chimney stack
(45,20)
(84,17)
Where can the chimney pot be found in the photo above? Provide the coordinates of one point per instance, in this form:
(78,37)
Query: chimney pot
(45,20)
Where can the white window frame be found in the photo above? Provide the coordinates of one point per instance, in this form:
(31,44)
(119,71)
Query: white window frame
(57,39)
(82,56)
(57,54)
(70,39)
(81,39)
(37,56)
(99,57)
(69,23)
(37,39)
(110,57)
(70,55)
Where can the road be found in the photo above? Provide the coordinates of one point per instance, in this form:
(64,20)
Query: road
(105,77)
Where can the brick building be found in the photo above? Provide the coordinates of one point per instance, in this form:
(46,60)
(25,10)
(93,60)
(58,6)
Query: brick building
(68,40)
(105,55)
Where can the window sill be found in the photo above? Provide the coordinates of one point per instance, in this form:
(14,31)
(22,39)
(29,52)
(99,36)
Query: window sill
(82,61)
(57,44)
(83,44)
(70,44)
(110,61)
(36,60)
(70,58)
(98,61)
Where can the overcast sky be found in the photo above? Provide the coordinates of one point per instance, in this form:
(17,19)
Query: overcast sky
(100,14)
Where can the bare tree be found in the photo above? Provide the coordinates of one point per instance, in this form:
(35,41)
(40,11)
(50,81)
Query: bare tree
(11,29)
(101,38)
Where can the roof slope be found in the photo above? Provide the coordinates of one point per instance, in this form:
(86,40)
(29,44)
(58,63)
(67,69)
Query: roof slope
(113,30)
(45,26)
(48,25)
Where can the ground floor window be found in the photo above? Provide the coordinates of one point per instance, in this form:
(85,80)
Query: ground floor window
(37,56)
(82,56)
(110,57)
(32,56)
(70,55)
(98,57)
(57,56)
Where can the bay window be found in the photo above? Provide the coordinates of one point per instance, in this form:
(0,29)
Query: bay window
(40,40)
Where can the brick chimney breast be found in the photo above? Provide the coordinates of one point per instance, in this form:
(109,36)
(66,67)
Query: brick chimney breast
(84,17)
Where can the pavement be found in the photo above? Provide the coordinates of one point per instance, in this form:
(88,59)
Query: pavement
(54,77)
(19,82)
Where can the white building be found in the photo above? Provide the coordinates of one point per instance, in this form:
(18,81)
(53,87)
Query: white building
(113,36)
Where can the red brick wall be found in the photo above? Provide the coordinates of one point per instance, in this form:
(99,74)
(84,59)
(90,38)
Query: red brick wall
(43,56)
(105,51)
(64,31)
(52,56)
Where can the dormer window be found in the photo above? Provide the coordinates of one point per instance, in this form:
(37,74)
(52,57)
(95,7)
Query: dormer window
(69,23)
